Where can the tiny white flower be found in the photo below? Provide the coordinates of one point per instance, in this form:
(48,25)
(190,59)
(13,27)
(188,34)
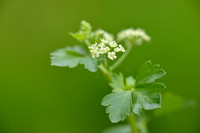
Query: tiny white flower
(103,33)
(107,48)
(122,48)
(101,45)
(94,46)
(113,44)
(95,54)
(137,35)
(117,49)
(101,51)
(105,41)
(146,37)
(112,55)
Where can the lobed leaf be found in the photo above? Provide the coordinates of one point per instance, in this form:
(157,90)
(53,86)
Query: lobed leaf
(149,73)
(118,105)
(84,32)
(147,97)
(117,82)
(119,129)
(80,36)
(72,57)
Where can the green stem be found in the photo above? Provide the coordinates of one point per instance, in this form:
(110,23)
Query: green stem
(105,72)
(132,123)
(142,124)
(120,60)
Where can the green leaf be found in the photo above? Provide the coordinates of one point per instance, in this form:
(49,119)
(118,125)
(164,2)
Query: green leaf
(85,31)
(147,97)
(72,57)
(152,87)
(147,92)
(119,129)
(130,82)
(149,73)
(144,95)
(85,27)
(117,82)
(119,105)
(80,36)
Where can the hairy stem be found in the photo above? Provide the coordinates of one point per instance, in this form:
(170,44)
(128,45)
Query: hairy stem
(120,60)
(132,123)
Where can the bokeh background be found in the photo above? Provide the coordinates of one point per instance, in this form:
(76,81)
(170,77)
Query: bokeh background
(38,98)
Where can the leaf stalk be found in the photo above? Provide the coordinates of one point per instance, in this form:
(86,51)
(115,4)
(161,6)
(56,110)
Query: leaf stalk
(132,123)
(121,59)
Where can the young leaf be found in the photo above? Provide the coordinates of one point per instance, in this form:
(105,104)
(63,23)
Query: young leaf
(149,73)
(130,82)
(117,82)
(119,105)
(119,129)
(85,27)
(84,32)
(80,36)
(147,97)
(72,57)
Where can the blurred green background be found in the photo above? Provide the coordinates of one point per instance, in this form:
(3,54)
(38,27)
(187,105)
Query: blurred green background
(38,98)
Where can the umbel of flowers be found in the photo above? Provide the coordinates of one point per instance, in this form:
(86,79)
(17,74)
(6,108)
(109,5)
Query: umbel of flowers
(130,36)
(106,47)
(98,46)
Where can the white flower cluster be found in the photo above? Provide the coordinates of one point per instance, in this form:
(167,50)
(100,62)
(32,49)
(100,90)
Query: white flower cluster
(100,34)
(106,47)
(137,35)
(105,35)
